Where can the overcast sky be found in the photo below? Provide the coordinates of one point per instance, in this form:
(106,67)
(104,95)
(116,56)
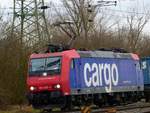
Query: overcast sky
(121,3)
(6,2)
(127,6)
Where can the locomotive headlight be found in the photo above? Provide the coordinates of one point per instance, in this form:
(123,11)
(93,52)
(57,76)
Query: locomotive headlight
(32,88)
(57,86)
(44,74)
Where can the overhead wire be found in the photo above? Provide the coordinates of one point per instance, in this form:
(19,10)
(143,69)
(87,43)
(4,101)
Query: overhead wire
(117,10)
(109,9)
(129,12)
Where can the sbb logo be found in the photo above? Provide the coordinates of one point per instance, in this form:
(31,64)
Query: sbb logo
(100,75)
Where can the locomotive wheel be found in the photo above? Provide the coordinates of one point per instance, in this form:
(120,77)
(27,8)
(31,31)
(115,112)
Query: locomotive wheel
(147,96)
(68,104)
(46,111)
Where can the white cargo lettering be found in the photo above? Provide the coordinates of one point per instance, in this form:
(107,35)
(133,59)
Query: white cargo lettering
(95,77)
(99,74)
(101,67)
(87,67)
(107,77)
(114,69)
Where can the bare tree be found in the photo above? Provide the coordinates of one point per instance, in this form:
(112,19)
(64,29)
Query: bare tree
(76,20)
(135,25)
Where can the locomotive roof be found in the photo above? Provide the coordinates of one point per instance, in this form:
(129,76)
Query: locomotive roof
(76,54)
(107,54)
(145,58)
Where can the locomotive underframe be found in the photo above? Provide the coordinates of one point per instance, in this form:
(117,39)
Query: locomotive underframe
(46,99)
(49,100)
(147,92)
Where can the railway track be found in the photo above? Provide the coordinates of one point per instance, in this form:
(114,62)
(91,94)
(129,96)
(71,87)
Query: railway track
(130,108)
(139,107)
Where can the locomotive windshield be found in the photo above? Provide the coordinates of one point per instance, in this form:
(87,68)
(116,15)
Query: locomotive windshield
(51,66)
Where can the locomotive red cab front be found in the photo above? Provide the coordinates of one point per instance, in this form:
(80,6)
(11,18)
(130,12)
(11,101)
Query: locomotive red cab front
(48,79)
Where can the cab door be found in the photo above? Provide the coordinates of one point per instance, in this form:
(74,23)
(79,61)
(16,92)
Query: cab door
(75,74)
(140,77)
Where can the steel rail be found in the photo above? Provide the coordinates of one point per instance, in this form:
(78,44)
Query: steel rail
(106,109)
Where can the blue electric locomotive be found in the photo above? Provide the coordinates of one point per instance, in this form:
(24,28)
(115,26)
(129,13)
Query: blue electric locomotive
(105,76)
(74,78)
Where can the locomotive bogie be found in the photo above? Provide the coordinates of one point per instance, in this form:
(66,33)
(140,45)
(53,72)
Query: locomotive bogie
(46,99)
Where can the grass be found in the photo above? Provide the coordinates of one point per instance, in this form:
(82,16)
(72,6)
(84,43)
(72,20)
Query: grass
(18,109)
(21,109)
